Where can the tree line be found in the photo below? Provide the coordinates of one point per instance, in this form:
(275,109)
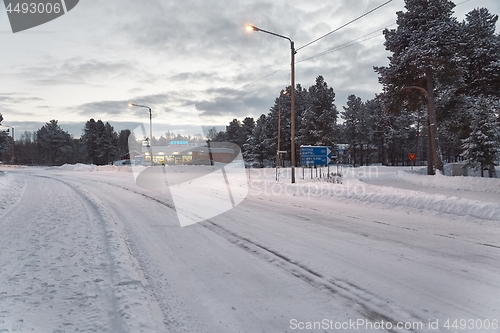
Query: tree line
(440,100)
(51,145)
(99,144)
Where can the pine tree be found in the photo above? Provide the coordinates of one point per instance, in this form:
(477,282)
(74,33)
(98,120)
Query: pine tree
(233,131)
(247,127)
(482,147)
(109,142)
(481,54)
(376,125)
(55,145)
(424,49)
(478,66)
(351,116)
(256,152)
(89,139)
(320,116)
(101,142)
(5,141)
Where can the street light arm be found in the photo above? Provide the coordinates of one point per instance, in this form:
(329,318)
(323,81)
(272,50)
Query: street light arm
(254,28)
(142,106)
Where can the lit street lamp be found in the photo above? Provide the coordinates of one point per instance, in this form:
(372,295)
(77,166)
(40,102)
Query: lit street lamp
(150,129)
(292,93)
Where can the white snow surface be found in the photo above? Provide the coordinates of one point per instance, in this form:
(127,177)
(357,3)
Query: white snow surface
(84,249)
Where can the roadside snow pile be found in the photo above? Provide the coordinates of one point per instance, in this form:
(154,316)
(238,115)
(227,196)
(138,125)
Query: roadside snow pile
(474,184)
(114,168)
(93,168)
(78,167)
(11,190)
(355,190)
(424,201)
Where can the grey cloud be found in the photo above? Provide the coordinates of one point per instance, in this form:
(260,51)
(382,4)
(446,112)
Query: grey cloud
(17,98)
(105,108)
(76,70)
(238,103)
(194,76)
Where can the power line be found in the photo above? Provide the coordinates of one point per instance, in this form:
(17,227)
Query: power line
(336,48)
(348,44)
(355,41)
(331,50)
(345,25)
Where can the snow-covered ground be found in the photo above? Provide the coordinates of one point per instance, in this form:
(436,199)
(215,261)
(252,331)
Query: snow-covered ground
(85,249)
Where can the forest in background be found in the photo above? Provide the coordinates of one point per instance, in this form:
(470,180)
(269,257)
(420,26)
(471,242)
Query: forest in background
(440,99)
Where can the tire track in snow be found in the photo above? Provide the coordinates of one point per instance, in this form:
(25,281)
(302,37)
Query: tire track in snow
(131,276)
(368,303)
(11,191)
(122,285)
(54,272)
(169,314)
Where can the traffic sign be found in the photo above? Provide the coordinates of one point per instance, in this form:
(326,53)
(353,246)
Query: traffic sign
(316,155)
(412,156)
(316,150)
(316,160)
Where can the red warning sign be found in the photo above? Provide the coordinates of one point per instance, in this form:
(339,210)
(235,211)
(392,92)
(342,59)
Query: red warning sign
(412,156)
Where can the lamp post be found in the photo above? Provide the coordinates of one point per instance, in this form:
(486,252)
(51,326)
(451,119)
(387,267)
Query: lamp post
(150,129)
(292,93)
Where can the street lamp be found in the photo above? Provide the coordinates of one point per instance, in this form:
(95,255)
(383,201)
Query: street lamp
(150,129)
(250,27)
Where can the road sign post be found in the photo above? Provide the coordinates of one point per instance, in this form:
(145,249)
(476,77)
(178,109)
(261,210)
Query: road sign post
(412,157)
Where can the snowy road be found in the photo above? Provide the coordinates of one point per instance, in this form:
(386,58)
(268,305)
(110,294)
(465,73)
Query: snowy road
(94,252)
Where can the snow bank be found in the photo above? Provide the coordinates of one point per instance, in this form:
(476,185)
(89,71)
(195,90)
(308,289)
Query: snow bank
(435,202)
(92,168)
(475,184)
(355,190)
(78,167)
(11,190)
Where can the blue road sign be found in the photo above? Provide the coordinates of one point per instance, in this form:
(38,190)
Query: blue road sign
(316,150)
(316,160)
(316,155)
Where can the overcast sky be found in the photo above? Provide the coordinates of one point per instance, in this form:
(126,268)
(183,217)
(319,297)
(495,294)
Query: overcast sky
(171,55)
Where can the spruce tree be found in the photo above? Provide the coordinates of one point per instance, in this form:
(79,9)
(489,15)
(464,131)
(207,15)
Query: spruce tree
(351,116)
(320,116)
(481,54)
(482,147)
(54,144)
